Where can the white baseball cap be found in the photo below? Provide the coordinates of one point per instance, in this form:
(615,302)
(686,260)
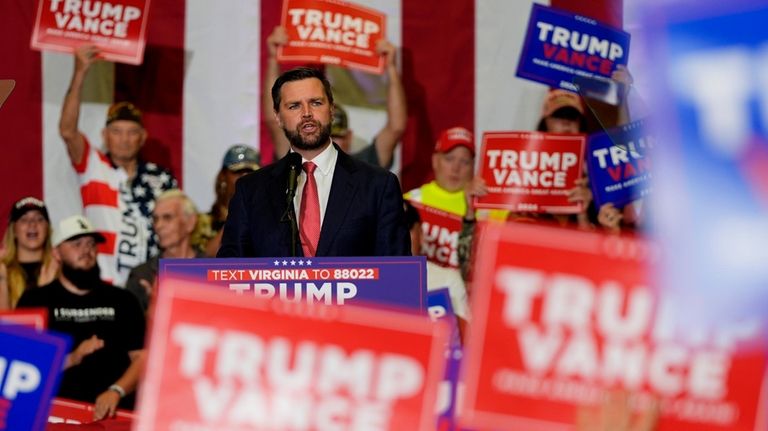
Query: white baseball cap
(72,227)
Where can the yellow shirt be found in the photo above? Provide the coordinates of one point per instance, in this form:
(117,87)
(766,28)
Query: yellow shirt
(432,195)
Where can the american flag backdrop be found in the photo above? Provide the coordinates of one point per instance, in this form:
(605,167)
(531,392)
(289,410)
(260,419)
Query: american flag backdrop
(200,86)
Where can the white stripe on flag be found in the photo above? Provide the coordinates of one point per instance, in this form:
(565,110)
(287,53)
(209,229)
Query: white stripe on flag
(503,101)
(221,88)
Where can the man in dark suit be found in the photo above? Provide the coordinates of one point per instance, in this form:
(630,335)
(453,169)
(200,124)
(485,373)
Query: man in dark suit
(342,207)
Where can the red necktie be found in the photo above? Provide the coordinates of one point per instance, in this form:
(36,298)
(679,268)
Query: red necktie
(309,213)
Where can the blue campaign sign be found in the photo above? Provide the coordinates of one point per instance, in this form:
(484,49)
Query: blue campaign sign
(560,46)
(711,107)
(30,365)
(439,304)
(440,308)
(619,164)
(390,281)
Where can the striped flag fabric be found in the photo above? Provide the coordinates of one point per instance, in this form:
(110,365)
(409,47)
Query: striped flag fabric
(200,87)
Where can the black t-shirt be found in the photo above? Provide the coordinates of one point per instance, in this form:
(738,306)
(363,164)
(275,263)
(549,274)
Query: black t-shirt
(108,312)
(31,273)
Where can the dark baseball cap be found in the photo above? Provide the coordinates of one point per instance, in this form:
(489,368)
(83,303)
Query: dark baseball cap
(124,111)
(339,122)
(239,157)
(24,205)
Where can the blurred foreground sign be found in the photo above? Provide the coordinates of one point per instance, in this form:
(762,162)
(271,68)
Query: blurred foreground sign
(561,316)
(227,362)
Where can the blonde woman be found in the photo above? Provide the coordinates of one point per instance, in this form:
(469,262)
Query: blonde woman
(26,258)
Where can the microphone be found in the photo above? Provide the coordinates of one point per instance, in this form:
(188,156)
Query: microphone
(294,168)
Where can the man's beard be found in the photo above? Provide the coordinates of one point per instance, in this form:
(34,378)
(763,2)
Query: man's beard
(85,279)
(297,141)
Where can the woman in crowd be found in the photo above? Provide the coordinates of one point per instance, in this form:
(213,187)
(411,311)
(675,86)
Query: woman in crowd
(27,261)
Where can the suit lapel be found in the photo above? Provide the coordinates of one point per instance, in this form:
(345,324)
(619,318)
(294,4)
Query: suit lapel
(340,199)
(276,195)
(276,189)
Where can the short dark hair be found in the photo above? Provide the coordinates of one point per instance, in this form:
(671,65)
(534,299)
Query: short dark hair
(298,74)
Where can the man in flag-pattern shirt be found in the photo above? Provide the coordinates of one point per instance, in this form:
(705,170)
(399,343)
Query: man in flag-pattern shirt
(117,188)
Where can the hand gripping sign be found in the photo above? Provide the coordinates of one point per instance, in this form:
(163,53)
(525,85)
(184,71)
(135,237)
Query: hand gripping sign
(561,315)
(117,27)
(223,362)
(30,364)
(530,171)
(392,281)
(332,32)
(560,46)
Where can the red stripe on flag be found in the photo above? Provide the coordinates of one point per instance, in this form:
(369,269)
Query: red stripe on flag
(439,78)
(270,17)
(21,117)
(96,193)
(108,246)
(157,85)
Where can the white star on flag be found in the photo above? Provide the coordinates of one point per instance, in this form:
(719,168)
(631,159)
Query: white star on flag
(139,191)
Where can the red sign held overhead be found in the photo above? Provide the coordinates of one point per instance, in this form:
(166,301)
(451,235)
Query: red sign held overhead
(531,171)
(253,364)
(116,27)
(561,316)
(332,32)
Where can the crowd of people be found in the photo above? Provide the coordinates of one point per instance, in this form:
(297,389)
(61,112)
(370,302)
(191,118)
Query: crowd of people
(96,272)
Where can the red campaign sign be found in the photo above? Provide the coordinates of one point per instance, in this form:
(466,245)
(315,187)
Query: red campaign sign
(77,412)
(116,27)
(562,316)
(439,235)
(531,171)
(255,364)
(332,32)
(36,318)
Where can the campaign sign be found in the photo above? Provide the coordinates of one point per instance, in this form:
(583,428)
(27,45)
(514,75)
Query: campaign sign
(256,364)
(439,235)
(711,194)
(31,317)
(561,315)
(560,46)
(440,309)
(65,411)
(530,171)
(619,164)
(393,281)
(116,27)
(332,32)
(30,364)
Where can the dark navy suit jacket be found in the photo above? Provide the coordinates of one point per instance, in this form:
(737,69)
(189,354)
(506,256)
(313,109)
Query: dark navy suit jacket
(364,215)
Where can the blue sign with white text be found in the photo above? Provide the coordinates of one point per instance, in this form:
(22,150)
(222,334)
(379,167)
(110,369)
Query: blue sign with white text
(389,281)
(619,164)
(30,366)
(711,110)
(560,46)
(440,308)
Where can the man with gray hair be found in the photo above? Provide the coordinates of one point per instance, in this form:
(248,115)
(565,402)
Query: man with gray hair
(175,220)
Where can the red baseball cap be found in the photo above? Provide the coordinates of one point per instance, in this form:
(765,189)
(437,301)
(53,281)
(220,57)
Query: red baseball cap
(455,137)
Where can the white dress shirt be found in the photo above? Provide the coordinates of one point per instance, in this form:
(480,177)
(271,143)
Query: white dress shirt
(326,166)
